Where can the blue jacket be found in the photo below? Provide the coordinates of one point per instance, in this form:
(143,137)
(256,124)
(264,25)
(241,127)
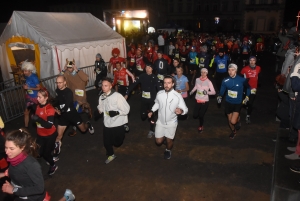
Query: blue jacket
(192,57)
(221,63)
(234,88)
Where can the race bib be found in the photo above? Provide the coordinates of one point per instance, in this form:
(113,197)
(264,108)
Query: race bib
(146,95)
(139,67)
(200,93)
(201,65)
(160,77)
(132,60)
(183,59)
(79,92)
(232,94)
(120,82)
(253,91)
(221,66)
(29,91)
(192,60)
(177,55)
(39,125)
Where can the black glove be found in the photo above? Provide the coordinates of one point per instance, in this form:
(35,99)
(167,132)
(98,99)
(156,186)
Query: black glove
(34,117)
(113,113)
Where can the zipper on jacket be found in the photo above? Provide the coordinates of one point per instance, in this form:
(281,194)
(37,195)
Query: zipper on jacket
(166,109)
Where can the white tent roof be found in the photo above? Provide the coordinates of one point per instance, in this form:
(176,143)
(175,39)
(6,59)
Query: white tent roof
(63,30)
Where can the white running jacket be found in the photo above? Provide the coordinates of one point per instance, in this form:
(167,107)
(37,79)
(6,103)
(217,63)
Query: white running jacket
(166,104)
(115,102)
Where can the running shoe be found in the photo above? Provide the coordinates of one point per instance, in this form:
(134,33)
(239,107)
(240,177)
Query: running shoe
(69,196)
(72,133)
(248,120)
(292,156)
(126,127)
(295,169)
(55,159)
(200,129)
(110,159)
(150,134)
(291,149)
(167,154)
(91,128)
(57,147)
(52,169)
(232,135)
(238,125)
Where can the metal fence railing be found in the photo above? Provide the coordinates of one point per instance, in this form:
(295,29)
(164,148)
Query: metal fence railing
(12,103)
(7,84)
(12,99)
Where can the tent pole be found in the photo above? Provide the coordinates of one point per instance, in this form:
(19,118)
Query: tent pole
(59,69)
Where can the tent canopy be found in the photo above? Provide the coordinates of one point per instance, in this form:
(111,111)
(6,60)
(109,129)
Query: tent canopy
(64,30)
(51,38)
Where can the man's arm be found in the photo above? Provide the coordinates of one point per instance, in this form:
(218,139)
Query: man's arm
(247,86)
(182,106)
(123,106)
(83,76)
(133,85)
(131,75)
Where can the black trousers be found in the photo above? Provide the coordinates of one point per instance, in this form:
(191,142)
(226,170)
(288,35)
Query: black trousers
(146,106)
(122,89)
(199,111)
(113,136)
(250,104)
(46,144)
(293,134)
(98,78)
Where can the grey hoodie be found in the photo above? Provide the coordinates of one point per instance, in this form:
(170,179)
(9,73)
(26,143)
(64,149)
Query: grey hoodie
(287,87)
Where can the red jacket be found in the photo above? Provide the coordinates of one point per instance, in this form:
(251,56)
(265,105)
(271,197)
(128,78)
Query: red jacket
(121,77)
(43,113)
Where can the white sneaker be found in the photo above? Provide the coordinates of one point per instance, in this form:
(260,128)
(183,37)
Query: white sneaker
(293,149)
(150,134)
(110,159)
(69,196)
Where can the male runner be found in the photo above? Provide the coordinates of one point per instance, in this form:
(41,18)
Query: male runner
(169,104)
(234,87)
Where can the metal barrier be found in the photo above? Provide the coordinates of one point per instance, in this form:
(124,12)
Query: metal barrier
(12,103)
(7,84)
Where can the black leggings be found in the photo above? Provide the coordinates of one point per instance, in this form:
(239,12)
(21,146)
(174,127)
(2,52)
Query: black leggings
(250,104)
(199,111)
(113,136)
(46,144)
(146,106)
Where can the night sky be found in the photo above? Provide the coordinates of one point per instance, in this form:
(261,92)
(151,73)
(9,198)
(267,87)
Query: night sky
(291,11)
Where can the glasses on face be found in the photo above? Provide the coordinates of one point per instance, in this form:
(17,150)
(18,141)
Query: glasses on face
(59,82)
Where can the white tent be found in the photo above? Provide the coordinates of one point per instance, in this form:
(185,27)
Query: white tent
(54,37)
